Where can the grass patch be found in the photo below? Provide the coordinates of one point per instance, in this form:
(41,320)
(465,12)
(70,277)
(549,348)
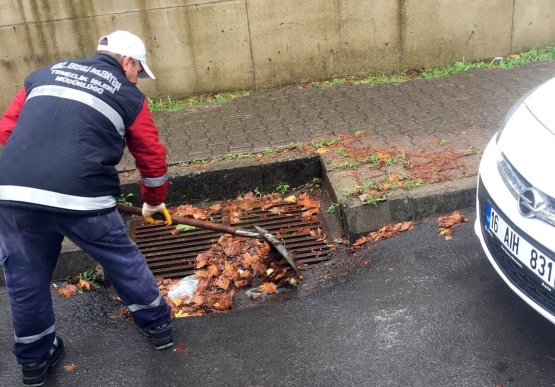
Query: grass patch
(169,104)
(535,54)
(332,141)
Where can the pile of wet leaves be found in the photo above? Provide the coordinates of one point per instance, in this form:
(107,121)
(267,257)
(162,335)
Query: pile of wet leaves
(231,264)
(234,262)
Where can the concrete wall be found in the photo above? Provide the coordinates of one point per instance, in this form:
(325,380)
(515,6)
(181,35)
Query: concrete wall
(199,46)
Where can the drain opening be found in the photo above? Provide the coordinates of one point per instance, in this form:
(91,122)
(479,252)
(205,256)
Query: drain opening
(173,256)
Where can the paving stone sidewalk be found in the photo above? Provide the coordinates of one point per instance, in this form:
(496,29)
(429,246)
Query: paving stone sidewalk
(464,109)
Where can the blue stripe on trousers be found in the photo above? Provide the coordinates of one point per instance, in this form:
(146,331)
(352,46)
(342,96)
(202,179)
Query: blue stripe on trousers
(30,243)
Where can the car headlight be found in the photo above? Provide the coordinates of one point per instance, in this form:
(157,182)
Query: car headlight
(511,112)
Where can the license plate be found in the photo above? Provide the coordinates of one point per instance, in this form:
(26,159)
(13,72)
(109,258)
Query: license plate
(519,249)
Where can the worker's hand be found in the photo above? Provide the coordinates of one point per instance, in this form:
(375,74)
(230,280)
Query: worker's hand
(148,211)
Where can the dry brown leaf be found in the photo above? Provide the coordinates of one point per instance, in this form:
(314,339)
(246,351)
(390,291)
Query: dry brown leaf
(85,285)
(406,226)
(240,283)
(365,262)
(390,230)
(307,202)
(180,348)
(69,367)
(213,271)
(267,287)
(222,303)
(222,283)
(360,241)
(321,151)
(216,207)
(452,219)
(277,210)
(202,285)
(180,301)
(198,299)
(202,275)
(449,223)
(67,291)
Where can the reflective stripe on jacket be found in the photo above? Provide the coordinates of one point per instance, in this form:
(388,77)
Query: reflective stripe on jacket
(65,137)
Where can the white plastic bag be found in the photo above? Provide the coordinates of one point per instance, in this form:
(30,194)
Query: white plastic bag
(186,287)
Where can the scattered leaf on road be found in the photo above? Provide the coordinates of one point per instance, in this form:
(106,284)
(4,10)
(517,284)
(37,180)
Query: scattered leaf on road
(69,367)
(267,287)
(447,224)
(85,285)
(390,230)
(180,348)
(67,291)
(360,241)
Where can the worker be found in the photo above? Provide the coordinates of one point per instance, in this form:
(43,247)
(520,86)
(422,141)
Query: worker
(62,136)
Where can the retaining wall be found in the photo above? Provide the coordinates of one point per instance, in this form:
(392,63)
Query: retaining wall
(200,46)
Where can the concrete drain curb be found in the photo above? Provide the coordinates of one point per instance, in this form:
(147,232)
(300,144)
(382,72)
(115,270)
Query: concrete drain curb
(225,179)
(360,219)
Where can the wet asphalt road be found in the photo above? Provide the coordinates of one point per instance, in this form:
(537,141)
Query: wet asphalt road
(423,312)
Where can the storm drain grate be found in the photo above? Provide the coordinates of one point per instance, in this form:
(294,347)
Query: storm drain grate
(173,256)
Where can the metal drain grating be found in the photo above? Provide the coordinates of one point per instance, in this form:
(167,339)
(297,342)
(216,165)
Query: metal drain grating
(173,256)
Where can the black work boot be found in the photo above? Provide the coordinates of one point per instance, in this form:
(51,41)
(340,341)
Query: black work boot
(161,336)
(34,374)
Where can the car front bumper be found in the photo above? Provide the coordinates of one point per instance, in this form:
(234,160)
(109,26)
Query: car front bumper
(491,189)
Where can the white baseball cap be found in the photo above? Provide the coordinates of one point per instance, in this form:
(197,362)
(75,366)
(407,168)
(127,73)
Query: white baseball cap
(127,44)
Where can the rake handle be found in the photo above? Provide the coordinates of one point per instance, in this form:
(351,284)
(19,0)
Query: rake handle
(193,222)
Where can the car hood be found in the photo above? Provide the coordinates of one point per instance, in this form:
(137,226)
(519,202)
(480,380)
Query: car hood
(541,103)
(528,146)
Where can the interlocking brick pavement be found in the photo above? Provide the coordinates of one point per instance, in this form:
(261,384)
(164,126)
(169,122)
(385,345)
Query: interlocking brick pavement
(464,109)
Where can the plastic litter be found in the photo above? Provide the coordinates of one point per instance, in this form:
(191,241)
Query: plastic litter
(186,287)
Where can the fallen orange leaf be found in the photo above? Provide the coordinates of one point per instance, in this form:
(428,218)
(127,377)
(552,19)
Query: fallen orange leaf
(180,348)
(360,241)
(69,367)
(68,291)
(268,287)
(85,285)
(449,223)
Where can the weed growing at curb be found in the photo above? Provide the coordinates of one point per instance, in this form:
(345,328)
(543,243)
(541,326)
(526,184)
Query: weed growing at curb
(332,141)
(314,184)
(535,54)
(124,199)
(88,276)
(169,104)
(282,188)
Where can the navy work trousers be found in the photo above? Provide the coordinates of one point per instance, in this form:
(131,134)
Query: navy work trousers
(30,243)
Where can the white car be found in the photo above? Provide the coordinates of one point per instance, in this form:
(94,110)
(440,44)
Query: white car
(515,205)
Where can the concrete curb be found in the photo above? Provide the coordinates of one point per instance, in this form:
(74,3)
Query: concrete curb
(226,179)
(359,219)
